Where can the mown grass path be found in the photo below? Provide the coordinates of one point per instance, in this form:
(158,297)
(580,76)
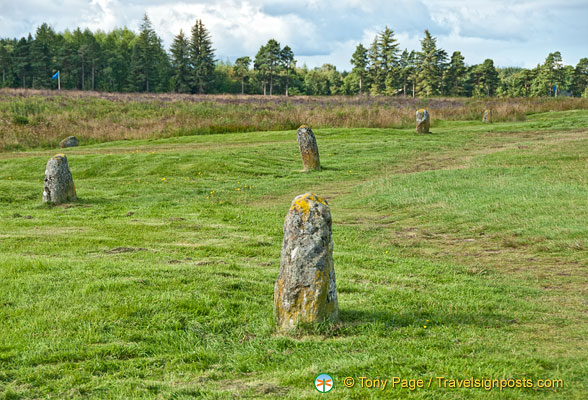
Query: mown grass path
(458,254)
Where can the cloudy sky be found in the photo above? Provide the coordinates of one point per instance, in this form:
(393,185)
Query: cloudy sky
(511,32)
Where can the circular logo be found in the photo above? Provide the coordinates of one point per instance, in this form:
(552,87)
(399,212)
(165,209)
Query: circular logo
(323,383)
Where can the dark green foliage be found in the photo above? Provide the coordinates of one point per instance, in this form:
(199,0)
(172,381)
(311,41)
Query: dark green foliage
(359,60)
(123,61)
(180,52)
(149,61)
(202,59)
(580,85)
(241,69)
(430,61)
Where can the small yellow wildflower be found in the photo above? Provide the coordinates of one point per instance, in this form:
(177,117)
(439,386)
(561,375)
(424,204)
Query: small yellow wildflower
(163,179)
(425,326)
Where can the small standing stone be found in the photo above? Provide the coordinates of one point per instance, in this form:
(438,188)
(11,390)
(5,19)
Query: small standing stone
(305,291)
(71,141)
(487,118)
(423,121)
(308,148)
(59,184)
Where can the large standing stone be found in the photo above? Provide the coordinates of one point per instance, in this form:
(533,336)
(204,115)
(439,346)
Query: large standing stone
(59,184)
(70,141)
(308,148)
(423,121)
(305,291)
(487,118)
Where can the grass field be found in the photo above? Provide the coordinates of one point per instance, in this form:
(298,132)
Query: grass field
(458,254)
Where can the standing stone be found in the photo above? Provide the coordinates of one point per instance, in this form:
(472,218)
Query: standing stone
(423,122)
(59,184)
(308,148)
(305,291)
(487,118)
(71,141)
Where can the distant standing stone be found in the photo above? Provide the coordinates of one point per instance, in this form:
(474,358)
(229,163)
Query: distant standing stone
(487,116)
(305,291)
(423,121)
(59,184)
(71,141)
(308,148)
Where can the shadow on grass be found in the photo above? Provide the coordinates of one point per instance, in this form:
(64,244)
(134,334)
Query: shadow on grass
(354,318)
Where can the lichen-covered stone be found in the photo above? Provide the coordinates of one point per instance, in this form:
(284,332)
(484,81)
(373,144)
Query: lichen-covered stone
(423,121)
(59,184)
(70,141)
(487,118)
(308,148)
(305,291)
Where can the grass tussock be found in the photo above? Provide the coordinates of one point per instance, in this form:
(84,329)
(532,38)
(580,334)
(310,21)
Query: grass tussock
(40,119)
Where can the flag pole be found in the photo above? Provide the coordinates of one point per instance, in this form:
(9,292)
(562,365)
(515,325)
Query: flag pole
(58,80)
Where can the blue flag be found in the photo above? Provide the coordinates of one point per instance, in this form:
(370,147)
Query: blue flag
(56,75)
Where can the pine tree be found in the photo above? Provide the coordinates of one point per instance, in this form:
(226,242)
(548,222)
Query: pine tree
(488,78)
(142,60)
(180,61)
(407,68)
(21,60)
(549,75)
(359,60)
(272,49)
(241,69)
(288,63)
(261,67)
(41,56)
(201,58)
(388,60)
(580,83)
(456,74)
(6,53)
(429,75)
(374,66)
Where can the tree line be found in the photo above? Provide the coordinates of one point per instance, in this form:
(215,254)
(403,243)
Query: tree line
(125,61)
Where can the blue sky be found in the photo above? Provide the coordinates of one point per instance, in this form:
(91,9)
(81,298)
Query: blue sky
(512,33)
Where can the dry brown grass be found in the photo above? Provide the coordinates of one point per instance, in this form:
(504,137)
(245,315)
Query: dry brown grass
(35,118)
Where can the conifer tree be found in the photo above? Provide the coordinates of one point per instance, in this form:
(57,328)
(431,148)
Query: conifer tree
(241,69)
(359,61)
(456,74)
(201,58)
(388,59)
(148,60)
(21,59)
(429,76)
(288,63)
(580,83)
(181,68)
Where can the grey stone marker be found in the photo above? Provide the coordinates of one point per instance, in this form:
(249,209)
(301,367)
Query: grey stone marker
(308,148)
(59,184)
(305,291)
(423,121)
(70,141)
(487,118)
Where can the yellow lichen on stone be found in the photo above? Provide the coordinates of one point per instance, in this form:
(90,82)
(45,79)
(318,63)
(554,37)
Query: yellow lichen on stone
(303,127)
(421,110)
(301,203)
(307,305)
(57,156)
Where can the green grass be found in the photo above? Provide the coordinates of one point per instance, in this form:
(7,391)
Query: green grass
(458,254)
